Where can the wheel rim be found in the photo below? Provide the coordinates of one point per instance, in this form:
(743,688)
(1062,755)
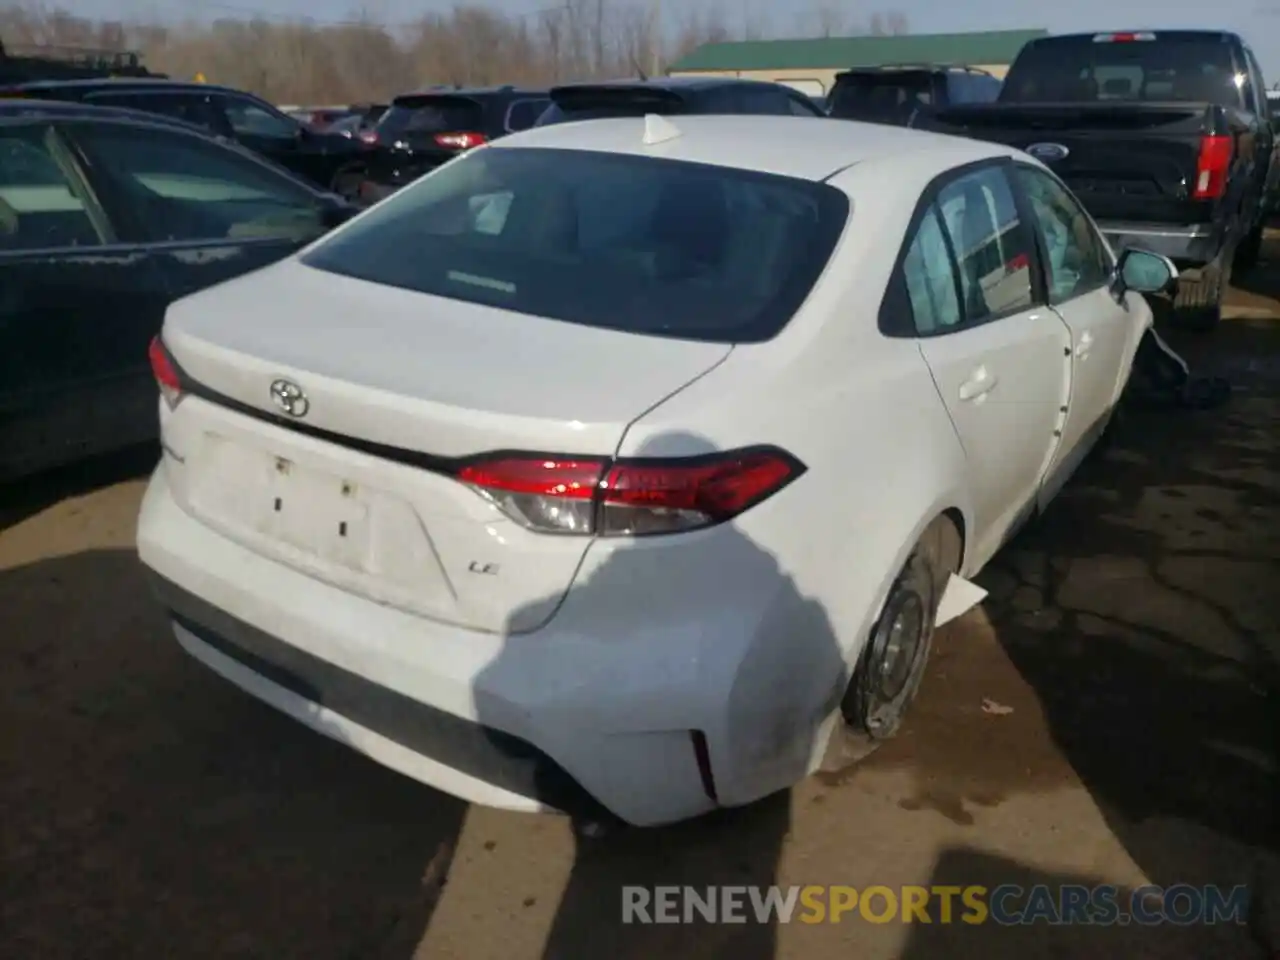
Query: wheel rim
(895,652)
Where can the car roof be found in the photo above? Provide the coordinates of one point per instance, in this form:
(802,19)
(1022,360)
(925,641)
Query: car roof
(693,83)
(127,83)
(809,148)
(62,109)
(443,91)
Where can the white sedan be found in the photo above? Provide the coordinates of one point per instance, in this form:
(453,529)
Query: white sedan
(622,467)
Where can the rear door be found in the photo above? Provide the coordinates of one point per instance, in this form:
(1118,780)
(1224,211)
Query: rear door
(1079,270)
(999,356)
(78,302)
(207,211)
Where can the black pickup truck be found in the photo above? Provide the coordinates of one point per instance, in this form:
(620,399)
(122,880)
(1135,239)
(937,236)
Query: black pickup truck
(1166,138)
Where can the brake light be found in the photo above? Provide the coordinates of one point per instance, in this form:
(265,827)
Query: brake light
(165,371)
(629,497)
(460,141)
(1212,168)
(1122,37)
(368,136)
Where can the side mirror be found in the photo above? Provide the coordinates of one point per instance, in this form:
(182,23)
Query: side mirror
(336,212)
(1145,272)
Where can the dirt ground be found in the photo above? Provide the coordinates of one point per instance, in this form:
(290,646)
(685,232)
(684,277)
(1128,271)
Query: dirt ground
(148,810)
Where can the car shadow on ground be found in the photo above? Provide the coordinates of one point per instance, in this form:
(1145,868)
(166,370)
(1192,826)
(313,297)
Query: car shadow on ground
(771,708)
(152,810)
(24,498)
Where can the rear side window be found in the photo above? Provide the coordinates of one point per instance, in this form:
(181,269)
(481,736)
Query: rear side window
(43,204)
(889,96)
(523,114)
(972,88)
(630,243)
(191,109)
(431,115)
(1152,66)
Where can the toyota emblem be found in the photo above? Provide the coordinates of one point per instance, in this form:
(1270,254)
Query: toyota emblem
(288,396)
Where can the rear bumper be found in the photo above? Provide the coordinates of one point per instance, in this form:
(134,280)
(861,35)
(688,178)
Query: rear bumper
(1196,245)
(635,715)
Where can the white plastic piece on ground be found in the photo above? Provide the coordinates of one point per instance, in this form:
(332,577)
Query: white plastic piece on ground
(960,597)
(659,129)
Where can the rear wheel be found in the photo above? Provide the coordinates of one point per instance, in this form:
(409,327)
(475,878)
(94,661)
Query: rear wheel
(893,662)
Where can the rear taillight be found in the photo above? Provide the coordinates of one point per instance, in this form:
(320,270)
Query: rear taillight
(460,141)
(367,136)
(629,497)
(1212,168)
(166,372)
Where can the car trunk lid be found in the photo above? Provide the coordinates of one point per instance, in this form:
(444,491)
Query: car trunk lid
(354,479)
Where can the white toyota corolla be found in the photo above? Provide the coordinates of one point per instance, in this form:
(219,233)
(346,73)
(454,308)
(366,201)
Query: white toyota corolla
(627,464)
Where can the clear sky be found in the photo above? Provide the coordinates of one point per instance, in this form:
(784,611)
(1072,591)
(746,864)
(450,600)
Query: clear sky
(1257,20)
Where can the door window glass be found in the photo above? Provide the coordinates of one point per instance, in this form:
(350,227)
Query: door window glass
(1078,260)
(930,278)
(41,205)
(187,188)
(993,250)
(248,119)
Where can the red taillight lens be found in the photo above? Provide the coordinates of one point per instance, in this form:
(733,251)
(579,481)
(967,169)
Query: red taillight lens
(1212,168)
(634,497)
(165,371)
(460,141)
(368,136)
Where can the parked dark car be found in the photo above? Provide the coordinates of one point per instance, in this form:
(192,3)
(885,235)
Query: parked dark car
(902,94)
(1165,136)
(106,216)
(674,95)
(422,130)
(330,161)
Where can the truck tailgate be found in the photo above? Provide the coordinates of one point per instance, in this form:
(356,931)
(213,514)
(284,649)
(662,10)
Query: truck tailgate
(1125,161)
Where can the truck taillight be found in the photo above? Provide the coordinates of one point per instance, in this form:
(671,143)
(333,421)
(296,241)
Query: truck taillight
(460,141)
(629,497)
(1212,168)
(165,371)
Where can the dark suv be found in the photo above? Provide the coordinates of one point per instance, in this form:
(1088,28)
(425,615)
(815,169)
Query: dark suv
(330,161)
(907,94)
(422,130)
(672,95)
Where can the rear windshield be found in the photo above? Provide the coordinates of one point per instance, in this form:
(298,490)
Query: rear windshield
(431,115)
(861,95)
(631,243)
(1169,67)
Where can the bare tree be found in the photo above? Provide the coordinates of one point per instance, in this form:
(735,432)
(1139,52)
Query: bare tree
(366,58)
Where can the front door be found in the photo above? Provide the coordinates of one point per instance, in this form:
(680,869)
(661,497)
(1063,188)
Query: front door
(77,306)
(1104,330)
(998,355)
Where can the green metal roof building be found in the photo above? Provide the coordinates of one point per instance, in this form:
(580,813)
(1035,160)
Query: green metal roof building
(811,65)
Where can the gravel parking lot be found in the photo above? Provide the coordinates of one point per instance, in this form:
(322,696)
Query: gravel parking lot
(1129,652)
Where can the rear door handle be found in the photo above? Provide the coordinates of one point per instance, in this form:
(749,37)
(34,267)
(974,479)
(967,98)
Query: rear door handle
(1085,344)
(980,383)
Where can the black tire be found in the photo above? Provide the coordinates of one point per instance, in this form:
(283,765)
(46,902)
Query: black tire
(893,662)
(1198,305)
(1250,249)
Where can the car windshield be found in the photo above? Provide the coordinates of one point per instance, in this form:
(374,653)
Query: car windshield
(631,243)
(1153,66)
(861,95)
